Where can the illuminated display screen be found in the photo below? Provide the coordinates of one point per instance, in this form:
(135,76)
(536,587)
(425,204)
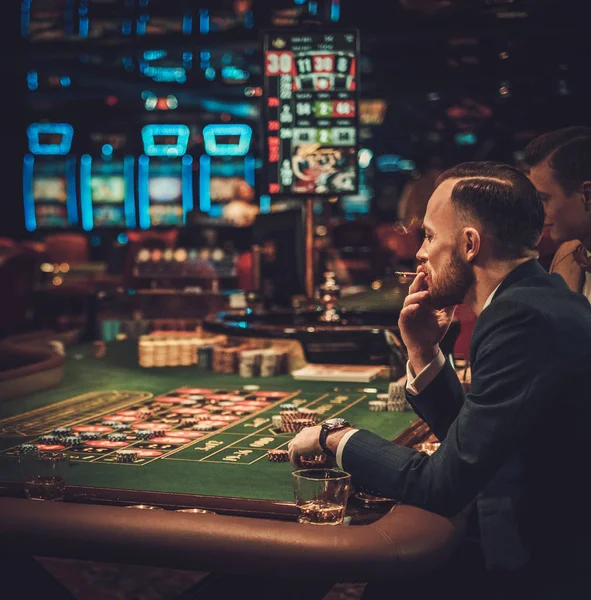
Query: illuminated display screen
(51,194)
(311,110)
(165,191)
(52,189)
(107,188)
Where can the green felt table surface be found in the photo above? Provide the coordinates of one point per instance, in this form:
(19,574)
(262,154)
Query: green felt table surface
(198,468)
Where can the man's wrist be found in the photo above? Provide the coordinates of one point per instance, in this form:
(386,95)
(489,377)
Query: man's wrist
(334,437)
(422,357)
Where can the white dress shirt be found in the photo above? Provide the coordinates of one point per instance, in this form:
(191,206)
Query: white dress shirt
(415,384)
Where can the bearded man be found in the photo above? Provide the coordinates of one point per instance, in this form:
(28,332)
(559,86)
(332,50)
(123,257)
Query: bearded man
(502,457)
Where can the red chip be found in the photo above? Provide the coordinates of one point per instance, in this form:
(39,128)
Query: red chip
(152,426)
(50,447)
(224,418)
(231,397)
(187,410)
(170,440)
(188,390)
(169,399)
(106,444)
(132,413)
(92,429)
(271,394)
(184,434)
(121,418)
(149,453)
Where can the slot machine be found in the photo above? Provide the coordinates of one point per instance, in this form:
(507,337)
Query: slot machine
(165,177)
(49,178)
(107,190)
(224,166)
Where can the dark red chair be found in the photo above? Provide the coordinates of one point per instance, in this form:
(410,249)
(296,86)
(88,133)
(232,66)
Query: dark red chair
(67,248)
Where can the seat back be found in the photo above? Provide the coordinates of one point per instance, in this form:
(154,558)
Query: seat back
(67,248)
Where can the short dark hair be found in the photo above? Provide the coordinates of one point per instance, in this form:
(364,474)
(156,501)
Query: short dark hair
(568,151)
(503,200)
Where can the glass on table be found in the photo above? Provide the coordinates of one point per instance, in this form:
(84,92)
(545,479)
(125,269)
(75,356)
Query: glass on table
(321,495)
(44,475)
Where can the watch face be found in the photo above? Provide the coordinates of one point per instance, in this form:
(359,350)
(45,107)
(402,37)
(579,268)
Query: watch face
(336,422)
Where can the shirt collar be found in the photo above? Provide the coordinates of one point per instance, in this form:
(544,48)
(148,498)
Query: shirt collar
(489,299)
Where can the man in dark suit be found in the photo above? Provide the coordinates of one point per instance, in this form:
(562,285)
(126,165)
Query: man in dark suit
(514,449)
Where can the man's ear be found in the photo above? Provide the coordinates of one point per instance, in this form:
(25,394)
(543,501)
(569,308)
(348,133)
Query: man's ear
(586,188)
(471,243)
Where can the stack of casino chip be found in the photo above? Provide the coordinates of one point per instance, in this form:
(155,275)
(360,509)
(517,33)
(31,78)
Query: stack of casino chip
(396,398)
(62,431)
(109,423)
(187,352)
(270,360)
(204,426)
(205,357)
(50,438)
(126,456)
(73,441)
(116,437)
(28,450)
(378,405)
(276,422)
(293,421)
(144,434)
(308,413)
(249,363)
(90,435)
(119,425)
(146,352)
(278,455)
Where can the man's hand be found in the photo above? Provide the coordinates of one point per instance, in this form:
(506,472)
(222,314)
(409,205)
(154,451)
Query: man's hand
(421,326)
(305,443)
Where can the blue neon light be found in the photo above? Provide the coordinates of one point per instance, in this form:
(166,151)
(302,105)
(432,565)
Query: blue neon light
(155,54)
(140,25)
(177,74)
(313,7)
(151,148)
(465,138)
(107,150)
(205,55)
(204,183)
(187,185)
(143,196)
(209,73)
(299,1)
(188,24)
(128,162)
(29,200)
(335,10)
(83,26)
(25,18)
(240,149)
(234,74)
(71,204)
(388,163)
(85,192)
(249,170)
(32,80)
(122,238)
(203,20)
(36,147)
(126,27)
(265,204)
(187,57)
(249,20)
(65,81)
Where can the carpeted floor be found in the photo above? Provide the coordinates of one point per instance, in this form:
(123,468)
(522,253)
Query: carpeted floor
(100,581)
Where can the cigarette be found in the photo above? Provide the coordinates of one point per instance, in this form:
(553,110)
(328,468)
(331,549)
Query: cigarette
(405,274)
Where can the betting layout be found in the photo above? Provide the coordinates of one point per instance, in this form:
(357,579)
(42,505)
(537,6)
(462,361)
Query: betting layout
(188,424)
(311,112)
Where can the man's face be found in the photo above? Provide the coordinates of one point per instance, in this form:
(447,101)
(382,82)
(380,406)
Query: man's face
(448,275)
(565,214)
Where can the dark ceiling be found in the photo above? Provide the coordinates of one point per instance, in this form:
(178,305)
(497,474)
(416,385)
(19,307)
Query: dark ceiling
(501,69)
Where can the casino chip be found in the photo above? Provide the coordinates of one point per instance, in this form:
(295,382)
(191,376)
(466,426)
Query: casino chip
(288,407)
(144,435)
(28,449)
(309,462)
(73,441)
(121,426)
(90,435)
(62,431)
(377,405)
(278,455)
(126,456)
(50,439)
(251,388)
(116,437)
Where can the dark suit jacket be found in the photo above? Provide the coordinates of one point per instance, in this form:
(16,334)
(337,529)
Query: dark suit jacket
(518,442)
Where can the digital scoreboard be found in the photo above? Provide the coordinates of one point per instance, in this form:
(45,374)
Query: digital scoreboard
(311,112)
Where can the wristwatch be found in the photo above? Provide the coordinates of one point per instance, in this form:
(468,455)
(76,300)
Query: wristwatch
(328,426)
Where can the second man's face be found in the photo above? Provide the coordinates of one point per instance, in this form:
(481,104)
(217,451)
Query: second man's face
(564,220)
